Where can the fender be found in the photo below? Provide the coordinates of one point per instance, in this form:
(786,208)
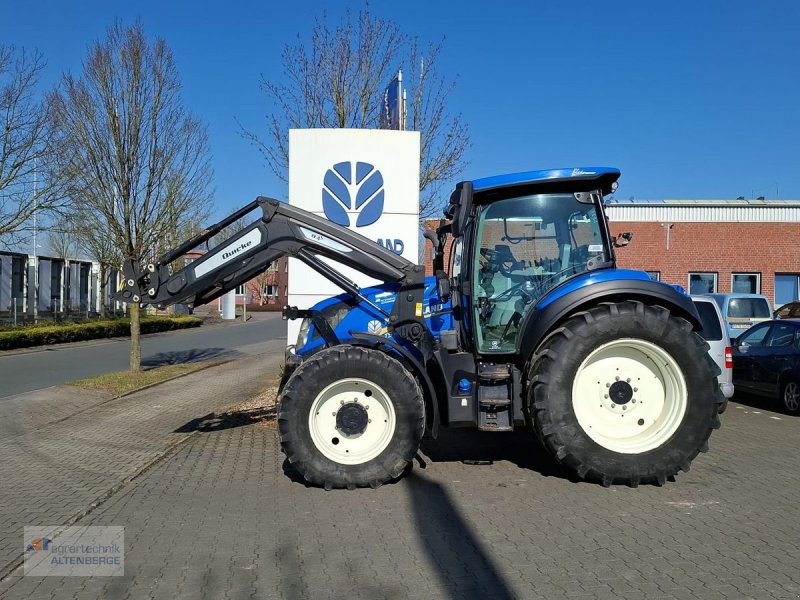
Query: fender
(548,315)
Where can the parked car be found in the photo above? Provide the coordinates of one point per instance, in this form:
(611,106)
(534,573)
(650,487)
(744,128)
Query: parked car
(766,362)
(742,311)
(716,334)
(788,311)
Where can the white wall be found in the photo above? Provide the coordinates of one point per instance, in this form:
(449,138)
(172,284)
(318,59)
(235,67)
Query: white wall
(339,155)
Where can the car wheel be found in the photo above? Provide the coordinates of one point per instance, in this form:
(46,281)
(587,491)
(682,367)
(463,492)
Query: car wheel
(790,395)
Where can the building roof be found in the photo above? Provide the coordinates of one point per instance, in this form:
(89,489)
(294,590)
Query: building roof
(759,202)
(704,211)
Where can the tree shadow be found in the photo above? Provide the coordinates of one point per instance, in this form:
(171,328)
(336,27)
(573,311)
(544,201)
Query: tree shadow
(229,420)
(180,357)
(471,446)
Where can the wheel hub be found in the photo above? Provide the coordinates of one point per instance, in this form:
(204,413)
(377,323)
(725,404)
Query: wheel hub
(352,419)
(620,392)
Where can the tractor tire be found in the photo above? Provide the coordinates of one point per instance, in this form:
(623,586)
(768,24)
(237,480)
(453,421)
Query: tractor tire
(624,393)
(351,417)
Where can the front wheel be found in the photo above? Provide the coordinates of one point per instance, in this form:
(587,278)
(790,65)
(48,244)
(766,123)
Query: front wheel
(351,417)
(624,393)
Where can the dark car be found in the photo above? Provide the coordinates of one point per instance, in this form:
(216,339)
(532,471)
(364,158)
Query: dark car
(766,362)
(788,311)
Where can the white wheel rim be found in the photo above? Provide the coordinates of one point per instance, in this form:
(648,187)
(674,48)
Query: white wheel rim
(791,396)
(637,418)
(357,448)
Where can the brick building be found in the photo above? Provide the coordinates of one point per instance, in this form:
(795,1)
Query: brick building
(714,245)
(707,246)
(268,290)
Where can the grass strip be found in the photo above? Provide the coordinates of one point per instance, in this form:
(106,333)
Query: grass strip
(126,382)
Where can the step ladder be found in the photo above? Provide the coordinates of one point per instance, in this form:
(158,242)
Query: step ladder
(495,393)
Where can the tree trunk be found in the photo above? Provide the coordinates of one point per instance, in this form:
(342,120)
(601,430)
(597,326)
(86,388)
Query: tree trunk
(101,277)
(136,340)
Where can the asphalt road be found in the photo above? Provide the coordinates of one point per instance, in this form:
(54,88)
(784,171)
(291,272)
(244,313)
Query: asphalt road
(54,365)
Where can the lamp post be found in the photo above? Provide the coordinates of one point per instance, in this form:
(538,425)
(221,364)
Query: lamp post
(35,259)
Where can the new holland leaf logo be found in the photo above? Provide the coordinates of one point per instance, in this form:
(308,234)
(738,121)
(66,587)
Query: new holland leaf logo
(353,190)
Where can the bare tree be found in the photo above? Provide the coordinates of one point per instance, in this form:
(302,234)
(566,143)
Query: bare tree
(62,240)
(90,231)
(137,159)
(338,80)
(28,182)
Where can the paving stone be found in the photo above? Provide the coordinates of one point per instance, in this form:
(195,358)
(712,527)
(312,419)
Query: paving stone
(223,520)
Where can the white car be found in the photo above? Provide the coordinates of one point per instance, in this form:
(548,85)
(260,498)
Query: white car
(715,332)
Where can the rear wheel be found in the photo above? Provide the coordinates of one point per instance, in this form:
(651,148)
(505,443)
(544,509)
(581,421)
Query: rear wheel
(351,417)
(790,394)
(624,393)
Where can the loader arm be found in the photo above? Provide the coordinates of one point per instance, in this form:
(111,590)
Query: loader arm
(282,230)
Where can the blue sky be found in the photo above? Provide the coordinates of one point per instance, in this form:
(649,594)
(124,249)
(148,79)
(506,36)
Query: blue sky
(689,99)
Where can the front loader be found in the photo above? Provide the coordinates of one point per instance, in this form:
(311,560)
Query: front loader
(526,321)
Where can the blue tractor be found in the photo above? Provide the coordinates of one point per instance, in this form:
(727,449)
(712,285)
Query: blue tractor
(526,321)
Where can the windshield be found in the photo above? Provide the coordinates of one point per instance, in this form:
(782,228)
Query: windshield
(527,246)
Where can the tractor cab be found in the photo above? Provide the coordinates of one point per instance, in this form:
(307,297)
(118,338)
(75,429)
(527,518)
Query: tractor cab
(517,239)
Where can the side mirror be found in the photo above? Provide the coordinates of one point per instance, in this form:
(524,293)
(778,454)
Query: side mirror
(623,239)
(443,286)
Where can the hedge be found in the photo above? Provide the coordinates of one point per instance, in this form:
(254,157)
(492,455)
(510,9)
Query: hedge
(76,332)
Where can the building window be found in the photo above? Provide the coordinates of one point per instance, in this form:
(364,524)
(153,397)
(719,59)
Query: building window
(269,290)
(746,283)
(240,290)
(702,283)
(654,275)
(17,277)
(787,288)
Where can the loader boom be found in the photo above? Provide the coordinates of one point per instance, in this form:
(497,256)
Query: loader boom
(282,230)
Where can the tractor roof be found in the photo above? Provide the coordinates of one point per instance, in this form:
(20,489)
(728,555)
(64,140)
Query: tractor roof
(604,176)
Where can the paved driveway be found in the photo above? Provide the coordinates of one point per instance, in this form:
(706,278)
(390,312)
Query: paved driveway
(223,517)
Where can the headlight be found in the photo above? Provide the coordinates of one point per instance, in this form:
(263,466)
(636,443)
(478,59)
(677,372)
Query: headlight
(302,337)
(335,313)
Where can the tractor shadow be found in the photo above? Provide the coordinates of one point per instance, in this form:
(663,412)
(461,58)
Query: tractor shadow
(470,446)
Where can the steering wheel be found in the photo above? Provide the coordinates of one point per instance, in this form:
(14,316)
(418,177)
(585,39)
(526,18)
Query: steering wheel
(499,262)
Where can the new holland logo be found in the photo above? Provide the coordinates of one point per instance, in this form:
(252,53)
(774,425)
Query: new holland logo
(353,190)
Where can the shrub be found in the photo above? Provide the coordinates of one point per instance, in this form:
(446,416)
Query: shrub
(76,332)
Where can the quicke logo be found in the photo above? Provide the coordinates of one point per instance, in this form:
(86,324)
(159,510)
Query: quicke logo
(353,190)
(237,249)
